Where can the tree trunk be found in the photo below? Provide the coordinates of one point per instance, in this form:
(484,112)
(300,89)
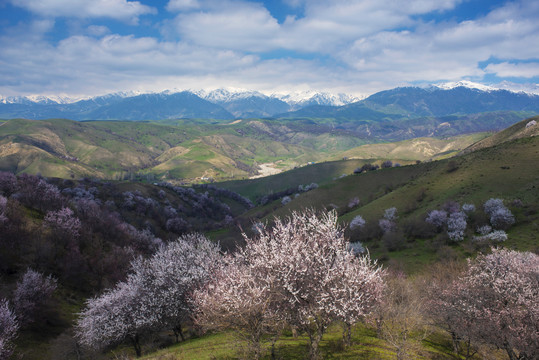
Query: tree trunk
(347,335)
(314,351)
(510,352)
(178,332)
(456,342)
(255,349)
(136,345)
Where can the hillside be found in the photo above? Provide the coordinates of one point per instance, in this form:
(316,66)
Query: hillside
(187,150)
(121,220)
(507,171)
(520,130)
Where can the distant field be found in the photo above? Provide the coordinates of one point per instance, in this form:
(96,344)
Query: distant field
(192,151)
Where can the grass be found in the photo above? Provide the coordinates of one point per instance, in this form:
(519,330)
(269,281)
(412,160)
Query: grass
(507,170)
(365,345)
(220,150)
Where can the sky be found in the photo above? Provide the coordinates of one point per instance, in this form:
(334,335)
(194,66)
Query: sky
(82,48)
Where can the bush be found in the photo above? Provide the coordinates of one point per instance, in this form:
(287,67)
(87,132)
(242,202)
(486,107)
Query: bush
(357,222)
(456,226)
(437,218)
(387,164)
(502,218)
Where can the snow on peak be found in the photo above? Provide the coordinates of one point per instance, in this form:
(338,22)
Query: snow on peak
(302,98)
(226,95)
(466,84)
(38,99)
(532,89)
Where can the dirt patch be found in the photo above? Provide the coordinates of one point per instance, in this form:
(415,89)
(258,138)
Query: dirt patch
(266,170)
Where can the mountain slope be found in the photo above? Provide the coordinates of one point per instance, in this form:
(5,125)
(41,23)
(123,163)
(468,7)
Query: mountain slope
(507,170)
(390,105)
(522,129)
(65,148)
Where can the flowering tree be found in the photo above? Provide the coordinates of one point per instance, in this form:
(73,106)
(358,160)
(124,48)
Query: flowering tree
(437,218)
(8,183)
(31,293)
(243,298)
(500,216)
(388,222)
(468,208)
(497,302)
(357,222)
(63,222)
(113,317)
(456,226)
(8,329)
(172,274)
(300,272)
(153,297)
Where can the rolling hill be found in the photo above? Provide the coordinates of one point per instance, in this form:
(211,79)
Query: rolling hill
(189,150)
(506,169)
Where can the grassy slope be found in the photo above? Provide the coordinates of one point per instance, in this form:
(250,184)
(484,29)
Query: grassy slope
(508,170)
(188,150)
(413,190)
(365,345)
(415,149)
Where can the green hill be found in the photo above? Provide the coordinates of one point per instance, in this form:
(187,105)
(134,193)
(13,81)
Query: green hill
(189,151)
(507,170)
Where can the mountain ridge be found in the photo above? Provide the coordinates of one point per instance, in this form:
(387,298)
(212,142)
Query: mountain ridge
(222,104)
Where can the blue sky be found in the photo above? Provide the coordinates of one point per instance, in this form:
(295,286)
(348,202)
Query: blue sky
(93,47)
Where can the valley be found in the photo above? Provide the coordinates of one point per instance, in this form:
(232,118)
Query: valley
(85,199)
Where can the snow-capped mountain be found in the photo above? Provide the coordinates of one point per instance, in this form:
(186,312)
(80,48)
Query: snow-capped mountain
(38,99)
(462,97)
(301,99)
(222,96)
(506,85)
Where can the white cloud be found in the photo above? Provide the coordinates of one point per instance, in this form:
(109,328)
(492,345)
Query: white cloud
(356,47)
(230,25)
(97,30)
(505,69)
(325,27)
(182,5)
(116,9)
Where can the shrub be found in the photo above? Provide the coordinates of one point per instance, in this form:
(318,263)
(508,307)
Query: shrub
(387,164)
(456,225)
(357,222)
(8,329)
(502,218)
(31,293)
(437,218)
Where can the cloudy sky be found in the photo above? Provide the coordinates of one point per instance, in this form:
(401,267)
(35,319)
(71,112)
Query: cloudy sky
(94,47)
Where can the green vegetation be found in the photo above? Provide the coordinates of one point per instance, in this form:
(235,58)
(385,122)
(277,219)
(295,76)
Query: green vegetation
(191,151)
(507,170)
(365,345)
(500,166)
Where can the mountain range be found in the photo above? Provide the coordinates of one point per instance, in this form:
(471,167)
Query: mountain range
(396,104)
